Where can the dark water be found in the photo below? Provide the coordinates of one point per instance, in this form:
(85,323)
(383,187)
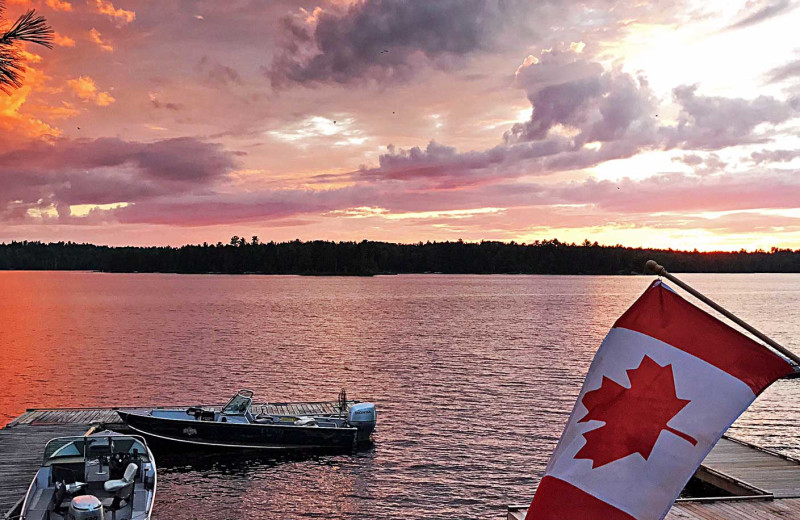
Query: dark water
(473,375)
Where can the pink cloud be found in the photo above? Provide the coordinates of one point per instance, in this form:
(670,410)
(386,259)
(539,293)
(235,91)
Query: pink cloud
(711,123)
(120,15)
(84,87)
(579,203)
(109,170)
(688,193)
(63,40)
(97,38)
(163,139)
(59,5)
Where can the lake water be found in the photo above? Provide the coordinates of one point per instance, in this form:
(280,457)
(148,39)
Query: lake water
(474,376)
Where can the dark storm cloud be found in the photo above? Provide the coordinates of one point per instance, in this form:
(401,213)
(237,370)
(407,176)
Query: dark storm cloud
(183,159)
(382,39)
(389,40)
(109,170)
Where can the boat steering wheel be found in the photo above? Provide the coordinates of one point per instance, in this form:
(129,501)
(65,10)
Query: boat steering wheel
(119,461)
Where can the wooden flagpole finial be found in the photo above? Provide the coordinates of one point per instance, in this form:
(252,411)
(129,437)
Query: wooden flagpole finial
(654,267)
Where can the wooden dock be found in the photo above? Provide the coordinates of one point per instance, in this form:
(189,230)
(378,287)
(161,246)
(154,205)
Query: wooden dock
(764,484)
(22,441)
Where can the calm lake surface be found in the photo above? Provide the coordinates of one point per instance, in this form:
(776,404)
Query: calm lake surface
(473,376)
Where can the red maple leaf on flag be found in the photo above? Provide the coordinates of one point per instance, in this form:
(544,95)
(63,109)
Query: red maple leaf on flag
(634,417)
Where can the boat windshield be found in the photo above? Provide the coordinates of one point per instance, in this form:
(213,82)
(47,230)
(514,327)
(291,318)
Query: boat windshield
(82,448)
(239,404)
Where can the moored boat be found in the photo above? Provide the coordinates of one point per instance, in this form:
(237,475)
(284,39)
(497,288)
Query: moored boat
(104,476)
(236,426)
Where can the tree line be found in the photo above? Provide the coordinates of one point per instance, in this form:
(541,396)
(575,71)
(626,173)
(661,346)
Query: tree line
(366,258)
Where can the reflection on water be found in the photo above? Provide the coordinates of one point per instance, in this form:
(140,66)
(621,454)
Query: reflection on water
(252,485)
(473,375)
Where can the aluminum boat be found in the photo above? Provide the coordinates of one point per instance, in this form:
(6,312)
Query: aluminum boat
(236,426)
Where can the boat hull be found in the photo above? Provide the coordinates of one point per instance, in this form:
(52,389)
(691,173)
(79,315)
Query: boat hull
(244,436)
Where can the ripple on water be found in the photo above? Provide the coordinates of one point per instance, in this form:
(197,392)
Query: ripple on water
(474,376)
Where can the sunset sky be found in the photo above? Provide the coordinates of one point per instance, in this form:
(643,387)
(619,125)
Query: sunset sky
(662,124)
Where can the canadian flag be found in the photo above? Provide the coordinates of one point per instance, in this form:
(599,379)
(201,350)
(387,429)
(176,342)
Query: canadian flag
(667,382)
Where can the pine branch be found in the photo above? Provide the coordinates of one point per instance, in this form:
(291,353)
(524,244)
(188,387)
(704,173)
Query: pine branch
(29,27)
(11,69)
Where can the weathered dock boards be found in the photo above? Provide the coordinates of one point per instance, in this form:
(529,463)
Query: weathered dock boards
(22,441)
(736,510)
(108,416)
(775,474)
(718,510)
(758,467)
(21,450)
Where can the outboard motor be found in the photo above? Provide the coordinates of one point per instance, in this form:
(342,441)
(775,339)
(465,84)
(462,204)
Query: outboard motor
(363,416)
(85,507)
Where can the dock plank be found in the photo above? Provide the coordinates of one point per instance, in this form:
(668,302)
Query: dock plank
(21,450)
(719,510)
(750,510)
(775,473)
(764,469)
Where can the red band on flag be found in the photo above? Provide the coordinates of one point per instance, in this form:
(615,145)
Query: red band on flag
(557,499)
(665,316)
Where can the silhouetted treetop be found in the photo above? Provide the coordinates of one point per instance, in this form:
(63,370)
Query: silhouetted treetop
(368,258)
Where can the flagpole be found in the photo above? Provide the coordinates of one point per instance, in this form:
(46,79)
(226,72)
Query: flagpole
(655,268)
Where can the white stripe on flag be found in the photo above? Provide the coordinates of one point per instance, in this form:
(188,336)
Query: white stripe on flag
(633,484)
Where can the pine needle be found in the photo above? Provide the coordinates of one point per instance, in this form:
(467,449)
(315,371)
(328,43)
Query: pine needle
(30,28)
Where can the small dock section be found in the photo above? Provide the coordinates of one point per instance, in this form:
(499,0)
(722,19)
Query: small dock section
(764,469)
(22,441)
(757,484)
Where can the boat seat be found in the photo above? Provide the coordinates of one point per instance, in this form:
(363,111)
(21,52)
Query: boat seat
(263,419)
(122,489)
(112,486)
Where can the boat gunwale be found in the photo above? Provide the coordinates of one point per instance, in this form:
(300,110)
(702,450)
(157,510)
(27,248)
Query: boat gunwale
(176,406)
(192,422)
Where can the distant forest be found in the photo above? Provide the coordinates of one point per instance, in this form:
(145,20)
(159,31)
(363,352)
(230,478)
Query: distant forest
(366,258)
